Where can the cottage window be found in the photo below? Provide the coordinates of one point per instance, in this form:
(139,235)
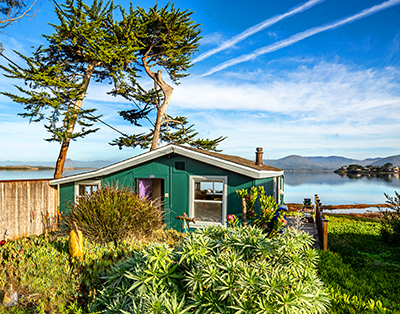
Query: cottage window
(208,200)
(85,188)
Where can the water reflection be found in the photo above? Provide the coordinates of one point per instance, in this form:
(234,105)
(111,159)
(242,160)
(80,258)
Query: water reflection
(391,178)
(336,189)
(34,174)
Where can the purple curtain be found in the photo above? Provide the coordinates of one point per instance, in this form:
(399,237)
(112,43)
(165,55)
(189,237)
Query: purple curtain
(145,188)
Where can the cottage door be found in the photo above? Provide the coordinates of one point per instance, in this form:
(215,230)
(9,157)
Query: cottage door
(152,189)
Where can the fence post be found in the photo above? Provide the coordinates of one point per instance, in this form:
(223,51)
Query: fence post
(325,237)
(315,206)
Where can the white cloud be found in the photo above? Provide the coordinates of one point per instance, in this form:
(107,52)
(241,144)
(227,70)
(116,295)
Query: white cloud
(328,107)
(324,92)
(213,39)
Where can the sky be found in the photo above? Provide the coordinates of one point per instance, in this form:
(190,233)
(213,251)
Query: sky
(310,78)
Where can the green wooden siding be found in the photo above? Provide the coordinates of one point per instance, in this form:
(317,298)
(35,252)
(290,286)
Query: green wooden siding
(67,195)
(176,184)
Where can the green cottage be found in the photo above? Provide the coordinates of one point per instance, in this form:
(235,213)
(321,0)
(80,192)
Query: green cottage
(200,183)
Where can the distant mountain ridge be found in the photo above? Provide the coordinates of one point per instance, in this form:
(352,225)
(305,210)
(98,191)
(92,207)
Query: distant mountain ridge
(68,163)
(292,162)
(296,162)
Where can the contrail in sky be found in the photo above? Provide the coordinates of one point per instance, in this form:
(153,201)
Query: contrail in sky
(300,36)
(255,29)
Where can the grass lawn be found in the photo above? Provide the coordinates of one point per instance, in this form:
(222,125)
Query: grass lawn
(360,269)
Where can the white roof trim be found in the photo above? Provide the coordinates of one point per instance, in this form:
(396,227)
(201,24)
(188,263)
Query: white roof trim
(221,163)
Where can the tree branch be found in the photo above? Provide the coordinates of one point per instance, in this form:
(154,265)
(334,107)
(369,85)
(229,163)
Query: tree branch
(8,21)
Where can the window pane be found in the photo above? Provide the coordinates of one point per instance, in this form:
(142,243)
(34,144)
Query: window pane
(204,211)
(85,189)
(219,187)
(209,190)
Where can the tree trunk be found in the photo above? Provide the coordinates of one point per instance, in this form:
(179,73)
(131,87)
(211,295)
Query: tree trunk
(167,91)
(61,159)
(78,104)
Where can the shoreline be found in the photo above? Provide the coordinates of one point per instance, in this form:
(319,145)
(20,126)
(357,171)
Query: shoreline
(297,206)
(39,168)
(329,209)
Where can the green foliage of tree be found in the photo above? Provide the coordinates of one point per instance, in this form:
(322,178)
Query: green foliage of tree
(86,44)
(167,39)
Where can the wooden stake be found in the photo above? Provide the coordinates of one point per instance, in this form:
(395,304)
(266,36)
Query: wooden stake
(244,212)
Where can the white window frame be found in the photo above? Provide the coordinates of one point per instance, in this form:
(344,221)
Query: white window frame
(192,180)
(86,182)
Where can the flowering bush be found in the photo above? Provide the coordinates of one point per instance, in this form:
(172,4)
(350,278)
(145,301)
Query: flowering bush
(278,225)
(233,221)
(268,209)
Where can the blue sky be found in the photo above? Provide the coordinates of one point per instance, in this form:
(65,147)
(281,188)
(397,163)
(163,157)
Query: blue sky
(313,78)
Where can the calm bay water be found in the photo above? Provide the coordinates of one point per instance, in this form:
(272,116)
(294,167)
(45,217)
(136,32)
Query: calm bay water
(34,174)
(335,190)
(330,187)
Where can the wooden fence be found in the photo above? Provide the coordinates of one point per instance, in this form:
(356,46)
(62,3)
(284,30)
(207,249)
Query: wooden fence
(322,224)
(27,207)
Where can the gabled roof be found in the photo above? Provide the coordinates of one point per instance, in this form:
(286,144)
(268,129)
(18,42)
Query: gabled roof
(232,163)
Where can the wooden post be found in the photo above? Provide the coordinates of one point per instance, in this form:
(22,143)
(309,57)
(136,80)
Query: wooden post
(315,206)
(244,212)
(325,239)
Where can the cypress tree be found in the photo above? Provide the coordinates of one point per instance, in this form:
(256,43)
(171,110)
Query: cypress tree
(84,46)
(167,39)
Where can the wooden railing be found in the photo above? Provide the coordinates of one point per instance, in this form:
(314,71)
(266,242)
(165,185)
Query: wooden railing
(322,224)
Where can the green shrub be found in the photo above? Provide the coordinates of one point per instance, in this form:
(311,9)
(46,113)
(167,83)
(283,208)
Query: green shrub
(39,271)
(114,214)
(390,222)
(218,270)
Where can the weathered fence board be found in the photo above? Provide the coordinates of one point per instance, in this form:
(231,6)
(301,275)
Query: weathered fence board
(23,203)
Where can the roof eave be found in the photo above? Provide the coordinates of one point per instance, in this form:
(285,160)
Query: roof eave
(221,163)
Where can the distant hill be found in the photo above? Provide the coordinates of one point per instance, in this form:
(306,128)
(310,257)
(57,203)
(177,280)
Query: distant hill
(332,162)
(292,162)
(295,162)
(88,164)
(68,163)
(395,160)
(369,161)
